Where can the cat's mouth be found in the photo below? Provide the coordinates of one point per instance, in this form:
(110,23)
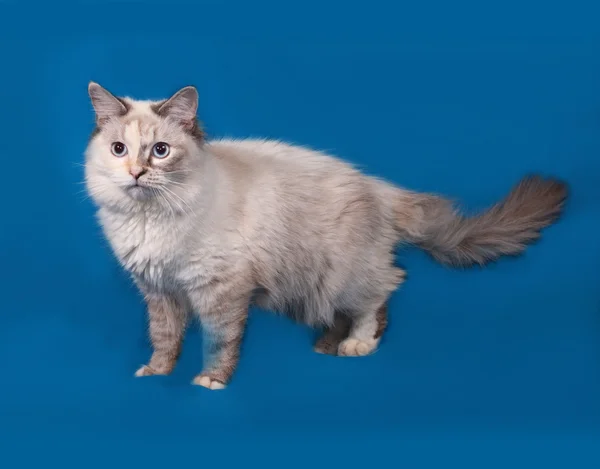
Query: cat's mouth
(136,184)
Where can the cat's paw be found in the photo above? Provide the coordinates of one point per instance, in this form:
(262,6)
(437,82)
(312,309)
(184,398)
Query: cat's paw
(352,347)
(146,370)
(208,382)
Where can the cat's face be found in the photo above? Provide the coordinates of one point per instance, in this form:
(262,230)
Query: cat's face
(142,151)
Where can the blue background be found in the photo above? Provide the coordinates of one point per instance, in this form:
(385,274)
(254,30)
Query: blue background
(483,368)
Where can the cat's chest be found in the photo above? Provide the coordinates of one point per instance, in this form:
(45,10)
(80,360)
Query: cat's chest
(147,247)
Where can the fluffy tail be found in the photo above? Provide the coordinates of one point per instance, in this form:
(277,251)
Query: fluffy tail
(503,230)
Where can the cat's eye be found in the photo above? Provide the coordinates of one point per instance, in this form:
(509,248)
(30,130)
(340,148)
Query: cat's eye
(118,149)
(161,150)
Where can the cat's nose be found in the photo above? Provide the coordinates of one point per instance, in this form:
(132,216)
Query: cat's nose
(136,172)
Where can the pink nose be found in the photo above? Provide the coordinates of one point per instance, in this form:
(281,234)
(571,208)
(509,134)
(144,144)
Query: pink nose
(136,172)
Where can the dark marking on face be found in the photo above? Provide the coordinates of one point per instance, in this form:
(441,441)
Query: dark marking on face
(170,163)
(142,158)
(194,130)
(95,131)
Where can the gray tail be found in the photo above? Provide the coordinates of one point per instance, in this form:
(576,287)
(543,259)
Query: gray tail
(505,229)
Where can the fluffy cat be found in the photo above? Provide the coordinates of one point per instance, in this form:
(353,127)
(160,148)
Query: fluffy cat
(211,227)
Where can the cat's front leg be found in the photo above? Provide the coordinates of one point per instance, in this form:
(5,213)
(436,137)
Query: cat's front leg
(223,311)
(167,323)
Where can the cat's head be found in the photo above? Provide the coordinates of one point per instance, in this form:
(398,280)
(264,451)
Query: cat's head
(142,151)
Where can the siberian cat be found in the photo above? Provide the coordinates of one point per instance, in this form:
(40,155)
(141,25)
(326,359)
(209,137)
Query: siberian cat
(211,227)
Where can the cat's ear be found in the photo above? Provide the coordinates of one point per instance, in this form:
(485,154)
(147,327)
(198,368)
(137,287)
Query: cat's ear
(182,106)
(105,104)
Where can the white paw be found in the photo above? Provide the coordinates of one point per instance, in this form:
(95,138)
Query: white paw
(352,347)
(208,383)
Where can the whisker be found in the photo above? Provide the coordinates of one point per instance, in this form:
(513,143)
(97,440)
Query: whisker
(177,183)
(92,186)
(180,198)
(98,189)
(171,200)
(166,202)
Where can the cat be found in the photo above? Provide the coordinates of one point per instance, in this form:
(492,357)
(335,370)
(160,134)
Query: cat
(211,227)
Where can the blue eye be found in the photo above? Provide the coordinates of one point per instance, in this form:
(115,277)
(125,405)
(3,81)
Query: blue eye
(118,149)
(161,150)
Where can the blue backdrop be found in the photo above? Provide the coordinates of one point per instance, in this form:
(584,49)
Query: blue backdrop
(484,368)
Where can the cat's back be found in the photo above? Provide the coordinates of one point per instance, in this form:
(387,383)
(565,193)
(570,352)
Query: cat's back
(292,188)
(282,176)
(295,175)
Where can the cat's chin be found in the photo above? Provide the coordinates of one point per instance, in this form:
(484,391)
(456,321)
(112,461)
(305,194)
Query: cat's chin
(139,193)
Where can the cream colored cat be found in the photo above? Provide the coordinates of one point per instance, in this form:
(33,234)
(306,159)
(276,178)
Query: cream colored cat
(209,227)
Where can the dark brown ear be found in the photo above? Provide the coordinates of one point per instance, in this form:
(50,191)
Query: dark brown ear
(105,104)
(182,106)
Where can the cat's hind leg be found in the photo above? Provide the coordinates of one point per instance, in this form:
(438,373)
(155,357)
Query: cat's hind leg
(362,319)
(354,335)
(333,336)
(365,333)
